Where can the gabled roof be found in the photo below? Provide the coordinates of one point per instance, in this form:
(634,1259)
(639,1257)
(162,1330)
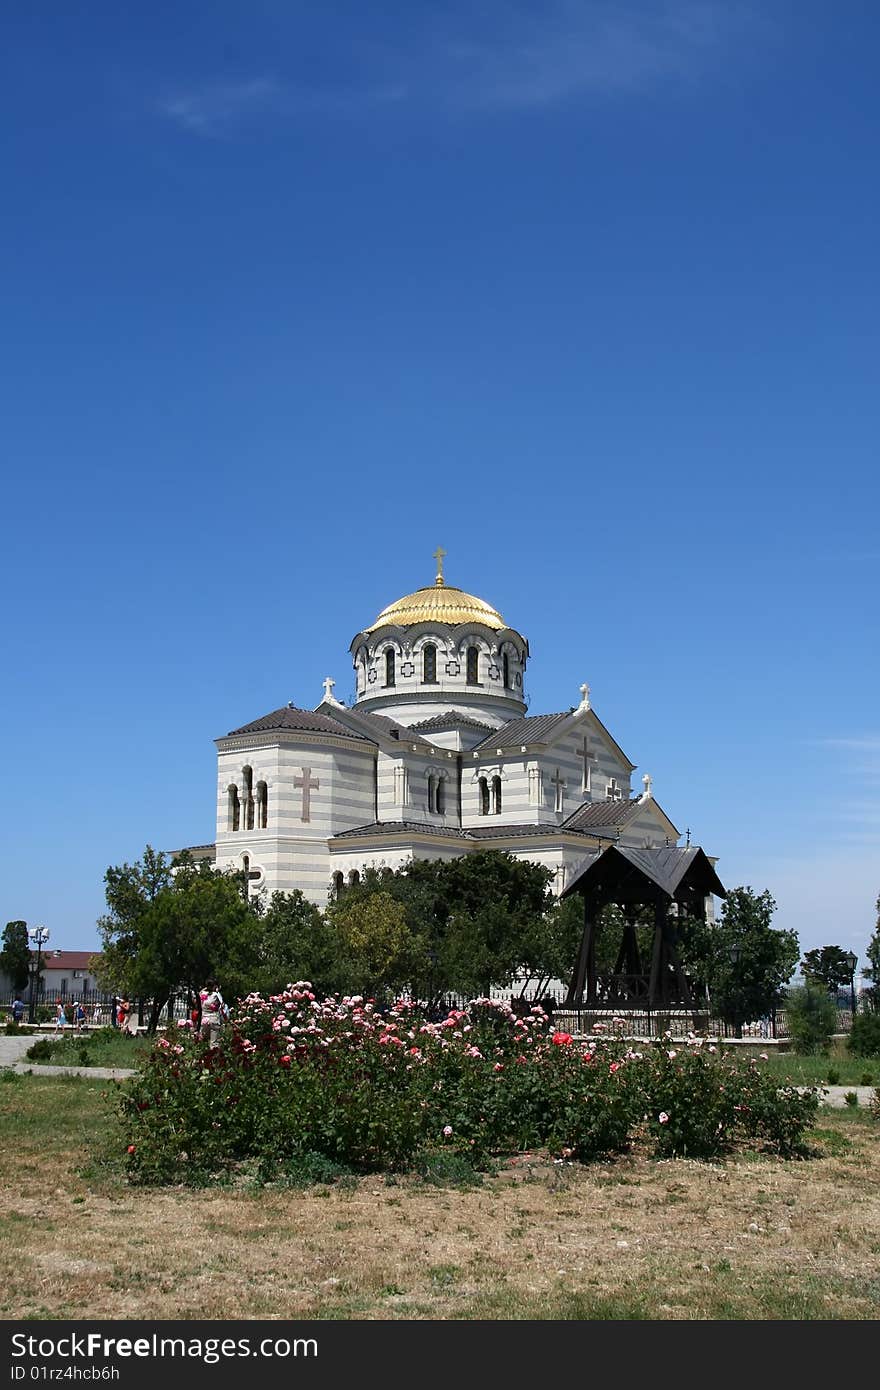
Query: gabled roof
(300,720)
(607,813)
(529,728)
(667,868)
(374,726)
(543,728)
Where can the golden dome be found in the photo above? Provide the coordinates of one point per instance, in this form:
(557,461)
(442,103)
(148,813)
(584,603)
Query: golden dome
(438,603)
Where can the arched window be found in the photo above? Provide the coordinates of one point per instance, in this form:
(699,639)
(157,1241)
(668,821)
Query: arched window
(505,667)
(432,793)
(248,774)
(496,795)
(389,666)
(338,886)
(429,665)
(354,879)
(234,818)
(473,666)
(262,806)
(441,796)
(484,796)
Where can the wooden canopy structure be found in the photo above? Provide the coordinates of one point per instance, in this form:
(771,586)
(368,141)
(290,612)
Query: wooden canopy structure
(634,879)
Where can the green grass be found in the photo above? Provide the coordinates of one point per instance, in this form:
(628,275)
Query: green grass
(105,1048)
(813,1071)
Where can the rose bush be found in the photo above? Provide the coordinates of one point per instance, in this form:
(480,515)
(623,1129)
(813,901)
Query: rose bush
(299,1082)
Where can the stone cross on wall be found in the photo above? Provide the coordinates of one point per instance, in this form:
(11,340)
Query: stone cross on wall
(328,687)
(559,783)
(588,757)
(585,696)
(308,784)
(648,782)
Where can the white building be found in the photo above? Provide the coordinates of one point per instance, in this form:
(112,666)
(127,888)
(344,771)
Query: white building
(436,758)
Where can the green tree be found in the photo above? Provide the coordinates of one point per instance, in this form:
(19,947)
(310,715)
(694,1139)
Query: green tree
(15,954)
(826,965)
(749,961)
(812,1017)
(380,951)
(295,941)
(476,921)
(167,931)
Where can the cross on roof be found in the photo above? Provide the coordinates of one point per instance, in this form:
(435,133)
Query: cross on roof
(439,555)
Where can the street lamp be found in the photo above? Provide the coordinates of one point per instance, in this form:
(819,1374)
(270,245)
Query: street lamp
(851,960)
(39,935)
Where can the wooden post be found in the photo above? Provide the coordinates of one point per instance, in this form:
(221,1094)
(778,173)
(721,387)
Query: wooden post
(576,988)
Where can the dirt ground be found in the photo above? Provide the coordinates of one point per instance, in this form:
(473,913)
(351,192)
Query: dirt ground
(757,1237)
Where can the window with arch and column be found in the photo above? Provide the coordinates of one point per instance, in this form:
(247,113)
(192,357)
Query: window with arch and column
(389,666)
(233,820)
(429,664)
(337,886)
(432,792)
(505,670)
(441,796)
(472,670)
(262,806)
(496,795)
(483,789)
(354,878)
(249,806)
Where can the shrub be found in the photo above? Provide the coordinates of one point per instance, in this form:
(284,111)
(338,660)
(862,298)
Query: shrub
(812,1018)
(851,1099)
(867,1079)
(864,1038)
(833,1076)
(40,1051)
(298,1086)
(701,1105)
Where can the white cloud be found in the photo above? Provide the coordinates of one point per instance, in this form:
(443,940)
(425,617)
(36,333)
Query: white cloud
(498,54)
(211,108)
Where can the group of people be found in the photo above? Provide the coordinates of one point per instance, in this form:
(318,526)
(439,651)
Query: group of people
(207,1016)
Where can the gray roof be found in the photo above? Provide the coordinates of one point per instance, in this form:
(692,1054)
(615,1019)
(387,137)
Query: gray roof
(501,832)
(301,720)
(519,830)
(196,852)
(392,729)
(596,814)
(529,728)
(667,867)
(451,717)
(402,827)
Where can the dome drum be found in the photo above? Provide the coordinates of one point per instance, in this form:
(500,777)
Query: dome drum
(441,645)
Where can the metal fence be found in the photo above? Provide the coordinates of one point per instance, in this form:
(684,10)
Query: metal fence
(97,1003)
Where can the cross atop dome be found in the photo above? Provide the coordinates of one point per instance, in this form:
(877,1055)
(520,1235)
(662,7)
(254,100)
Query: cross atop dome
(439,555)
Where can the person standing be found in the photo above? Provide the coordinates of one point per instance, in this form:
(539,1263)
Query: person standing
(60,1018)
(17,1010)
(213,1013)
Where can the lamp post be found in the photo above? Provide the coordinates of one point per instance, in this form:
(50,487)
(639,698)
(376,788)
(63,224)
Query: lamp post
(735,953)
(852,960)
(39,935)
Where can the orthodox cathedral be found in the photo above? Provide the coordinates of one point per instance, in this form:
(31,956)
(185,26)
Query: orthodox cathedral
(435,758)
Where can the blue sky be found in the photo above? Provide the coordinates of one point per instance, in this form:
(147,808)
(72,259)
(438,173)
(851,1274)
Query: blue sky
(586,292)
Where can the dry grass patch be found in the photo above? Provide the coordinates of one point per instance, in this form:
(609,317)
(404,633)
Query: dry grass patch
(754,1238)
